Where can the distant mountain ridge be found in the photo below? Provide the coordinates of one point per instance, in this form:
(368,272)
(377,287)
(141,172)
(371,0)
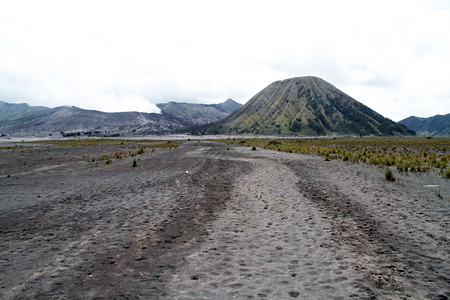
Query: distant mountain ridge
(438,126)
(307,106)
(25,120)
(197,114)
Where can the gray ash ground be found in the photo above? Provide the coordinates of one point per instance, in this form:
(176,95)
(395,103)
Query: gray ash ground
(213,221)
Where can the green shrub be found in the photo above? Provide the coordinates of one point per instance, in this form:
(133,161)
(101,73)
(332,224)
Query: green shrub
(254,148)
(134,163)
(389,175)
(274,142)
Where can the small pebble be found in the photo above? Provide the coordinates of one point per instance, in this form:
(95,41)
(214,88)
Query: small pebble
(194,277)
(294,294)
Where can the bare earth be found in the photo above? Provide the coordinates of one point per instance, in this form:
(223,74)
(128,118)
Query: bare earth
(204,222)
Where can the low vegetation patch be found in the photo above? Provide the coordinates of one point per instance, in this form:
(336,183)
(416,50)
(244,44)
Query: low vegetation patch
(140,150)
(105,141)
(125,147)
(15,147)
(389,175)
(403,154)
(447,174)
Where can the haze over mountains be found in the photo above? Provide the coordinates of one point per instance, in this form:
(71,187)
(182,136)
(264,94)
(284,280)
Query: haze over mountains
(305,106)
(26,120)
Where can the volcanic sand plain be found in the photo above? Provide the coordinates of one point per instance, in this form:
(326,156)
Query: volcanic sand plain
(214,221)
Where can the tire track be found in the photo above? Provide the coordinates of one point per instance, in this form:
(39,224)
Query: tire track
(392,264)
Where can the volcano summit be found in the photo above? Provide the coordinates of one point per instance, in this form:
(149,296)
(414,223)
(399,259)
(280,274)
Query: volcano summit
(305,106)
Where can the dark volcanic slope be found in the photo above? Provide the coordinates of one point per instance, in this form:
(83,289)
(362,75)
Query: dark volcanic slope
(198,114)
(305,106)
(26,120)
(22,119)
(438,125)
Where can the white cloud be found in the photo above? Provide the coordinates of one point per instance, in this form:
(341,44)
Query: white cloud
(106,55)
(114,103)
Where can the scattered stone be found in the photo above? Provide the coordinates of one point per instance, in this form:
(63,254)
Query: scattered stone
(294,294)
(140,258)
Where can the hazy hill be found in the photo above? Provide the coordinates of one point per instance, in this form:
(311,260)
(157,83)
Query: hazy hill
(12,112)
(304,106)
(198,114)
(25,120)
(438,125)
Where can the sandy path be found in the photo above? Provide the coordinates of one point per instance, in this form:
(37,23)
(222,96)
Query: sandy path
(270,242)
(204,222)
(297,226)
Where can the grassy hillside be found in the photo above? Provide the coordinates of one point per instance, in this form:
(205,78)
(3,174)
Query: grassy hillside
(438,126)
(305,106)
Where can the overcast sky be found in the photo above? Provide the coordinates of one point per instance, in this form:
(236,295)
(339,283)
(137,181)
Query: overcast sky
(393,56)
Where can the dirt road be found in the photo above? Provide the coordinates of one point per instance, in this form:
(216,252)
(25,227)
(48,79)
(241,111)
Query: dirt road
(211,221)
